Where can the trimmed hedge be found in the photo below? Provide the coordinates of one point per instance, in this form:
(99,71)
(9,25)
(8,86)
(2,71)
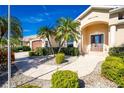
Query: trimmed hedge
(60,58)
(65,79)
(113,69)
(116,51)
(70,51)
(31,53)
(21,48)
(39,51)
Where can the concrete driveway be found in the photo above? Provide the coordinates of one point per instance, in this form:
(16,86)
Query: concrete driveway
(36,67)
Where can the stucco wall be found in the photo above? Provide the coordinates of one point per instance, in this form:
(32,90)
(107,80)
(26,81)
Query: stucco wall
(113,19)
(94,29)
(120,35)
(95,15)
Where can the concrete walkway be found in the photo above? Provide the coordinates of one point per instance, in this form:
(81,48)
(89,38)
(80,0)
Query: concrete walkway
(84,65)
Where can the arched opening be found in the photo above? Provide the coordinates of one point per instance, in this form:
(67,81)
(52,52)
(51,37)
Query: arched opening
(95,37)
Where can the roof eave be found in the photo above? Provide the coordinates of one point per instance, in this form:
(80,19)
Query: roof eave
(116,10)
(89,9)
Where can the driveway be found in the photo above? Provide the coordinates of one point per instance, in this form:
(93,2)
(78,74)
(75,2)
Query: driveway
(36,67)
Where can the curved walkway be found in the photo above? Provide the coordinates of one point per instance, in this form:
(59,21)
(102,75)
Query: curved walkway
(84,65)
(96,80)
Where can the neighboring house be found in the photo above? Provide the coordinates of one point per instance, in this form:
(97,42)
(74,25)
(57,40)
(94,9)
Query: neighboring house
(101,27)
(35,42)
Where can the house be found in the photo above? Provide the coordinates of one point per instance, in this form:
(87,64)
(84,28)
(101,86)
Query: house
(34,42)
(101,27)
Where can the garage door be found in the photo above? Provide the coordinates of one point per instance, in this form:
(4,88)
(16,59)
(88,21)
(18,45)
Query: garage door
(36,44)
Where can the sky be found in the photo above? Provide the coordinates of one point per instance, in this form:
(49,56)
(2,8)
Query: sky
(34,16)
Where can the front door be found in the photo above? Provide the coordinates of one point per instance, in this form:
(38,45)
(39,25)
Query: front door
(97,42)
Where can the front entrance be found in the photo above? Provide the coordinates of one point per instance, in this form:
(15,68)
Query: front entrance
(97,42)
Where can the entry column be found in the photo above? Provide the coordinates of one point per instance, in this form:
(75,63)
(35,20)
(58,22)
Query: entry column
(112,36)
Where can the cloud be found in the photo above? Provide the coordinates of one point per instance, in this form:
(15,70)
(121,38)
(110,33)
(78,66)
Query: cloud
(46,14)
(44,7)
(26,30)
(33,20)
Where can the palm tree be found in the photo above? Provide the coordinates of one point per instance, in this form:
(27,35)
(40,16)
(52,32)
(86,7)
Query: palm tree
(46,32)
(3,42)
(3,27)
(66,30)
(15,41)
(16,29)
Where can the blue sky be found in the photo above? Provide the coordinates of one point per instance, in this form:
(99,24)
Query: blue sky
(34,16)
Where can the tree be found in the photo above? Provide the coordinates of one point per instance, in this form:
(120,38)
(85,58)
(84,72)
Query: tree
(16,28)
(66,30)
(15,41)
(3,27)
(46,32)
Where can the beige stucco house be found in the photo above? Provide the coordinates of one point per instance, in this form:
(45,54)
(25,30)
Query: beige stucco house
(101,27)
(34,42)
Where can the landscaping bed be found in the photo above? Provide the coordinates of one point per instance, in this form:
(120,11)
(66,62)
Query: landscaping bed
(96,80)
(113,66)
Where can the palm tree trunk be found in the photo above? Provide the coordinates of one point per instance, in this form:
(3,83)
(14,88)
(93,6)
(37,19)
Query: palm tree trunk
(61,46)
(51,47)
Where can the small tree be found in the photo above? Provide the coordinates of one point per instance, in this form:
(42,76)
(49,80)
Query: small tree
(46,32)
(66,30)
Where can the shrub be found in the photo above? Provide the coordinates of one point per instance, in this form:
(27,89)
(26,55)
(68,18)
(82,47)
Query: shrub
(4,57)
(26,48)
(15,49)
(116,51)
(113,58)
(60,58)
(47,51)
(113,69)
(74,51)
(21,48)
(29,86)
(39,51)
(31,53)
(65,79)
(71,51)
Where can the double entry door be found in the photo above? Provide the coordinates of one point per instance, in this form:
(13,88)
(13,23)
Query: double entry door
(97,41)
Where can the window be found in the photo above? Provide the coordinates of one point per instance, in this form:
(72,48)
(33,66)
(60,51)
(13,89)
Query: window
(46,43)
(121,16)
(96,39)
(70,42)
